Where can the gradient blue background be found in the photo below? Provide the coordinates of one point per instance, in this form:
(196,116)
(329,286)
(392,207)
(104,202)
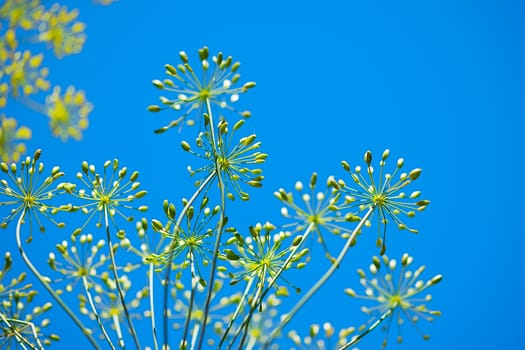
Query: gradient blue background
(440,83)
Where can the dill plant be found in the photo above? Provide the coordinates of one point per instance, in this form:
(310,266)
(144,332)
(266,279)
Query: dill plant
(204,283)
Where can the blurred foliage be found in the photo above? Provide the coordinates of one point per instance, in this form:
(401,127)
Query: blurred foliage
(31,34)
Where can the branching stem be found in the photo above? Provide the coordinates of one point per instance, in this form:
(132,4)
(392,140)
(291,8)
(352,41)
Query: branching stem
(321,281)
(43,280)
(220,227)
(117,283)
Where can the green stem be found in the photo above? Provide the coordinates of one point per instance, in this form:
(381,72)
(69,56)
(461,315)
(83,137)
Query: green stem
(118,330)
(321,281)
(21,340)
(246,326)
(374,325)
(236,312)
(220,227)
(94,310)
(43,280)
(173,243)
(276,276)
(194,282)
(117,282)
(152,307)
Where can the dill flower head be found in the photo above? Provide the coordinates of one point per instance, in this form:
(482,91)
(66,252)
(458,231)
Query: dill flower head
(396,293)
(19,13)
(189,306)
(20,322)
(11,147)
(216,81)
(108,303)
(79,258)
(235,158)
(320,337)
(264,255)
(317,210)
(25,74)
(385,192)
(192,242)
(59,28)
(26,192)
(68,113)
(107,195)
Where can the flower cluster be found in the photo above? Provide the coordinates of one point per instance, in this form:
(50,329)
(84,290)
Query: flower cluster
(317,210)
(108,194)
(190,242)
(188,309)
(397,296)
(20,13)
(315,339)
(197,92)
(68,113)
(59,27)
(82,259)
(25,74)
(263,256)
(11,147)
(20,324)
(385,193)
(27,194)
(235,159)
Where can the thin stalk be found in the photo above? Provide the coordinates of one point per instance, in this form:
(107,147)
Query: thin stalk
(95,312)
(321,281)
(220,227)
(237,311)
(194,335)
(152,307)
(258,296)
(118,330)
(276,276)
(42,279)
(172,246)
(192,298)
(21,340)
(374,325)
(117,282)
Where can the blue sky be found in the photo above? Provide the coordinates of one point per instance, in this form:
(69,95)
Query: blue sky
(440,83)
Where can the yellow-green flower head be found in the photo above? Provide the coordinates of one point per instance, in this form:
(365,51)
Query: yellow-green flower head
(104,2)
(20,13)
(25,74)
(59,28)
(383,191)
(215,82)
(107,195)
(28,193)
(11,149)
(320,337)
(263,323)
(398,294)
(235,158)
(20,321)
(264,255)
(80,258)
(68,113)
(108,303)
(192,239)
(316,210)
(190,302)
(8,45)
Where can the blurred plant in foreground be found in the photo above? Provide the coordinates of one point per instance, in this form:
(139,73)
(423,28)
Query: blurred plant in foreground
(27,28)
